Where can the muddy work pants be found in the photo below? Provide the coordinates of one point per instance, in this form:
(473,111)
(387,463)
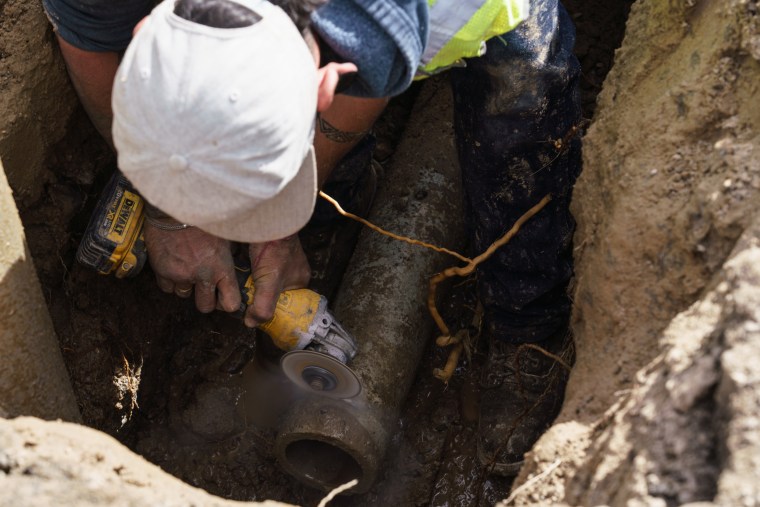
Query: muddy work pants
(511,105)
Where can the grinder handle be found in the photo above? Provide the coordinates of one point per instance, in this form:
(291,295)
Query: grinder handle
(294,313)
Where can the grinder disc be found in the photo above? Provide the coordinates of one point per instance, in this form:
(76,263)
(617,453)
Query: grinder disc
(320,373)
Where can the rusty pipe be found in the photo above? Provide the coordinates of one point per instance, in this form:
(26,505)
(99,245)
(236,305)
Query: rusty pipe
(382,302)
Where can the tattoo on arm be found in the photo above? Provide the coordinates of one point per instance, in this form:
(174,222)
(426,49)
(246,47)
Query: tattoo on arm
(336,135)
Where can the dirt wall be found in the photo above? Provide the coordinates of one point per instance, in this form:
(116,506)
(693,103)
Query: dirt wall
(671,180)
(36,105)
(33,378)
(46,464)
(36,99)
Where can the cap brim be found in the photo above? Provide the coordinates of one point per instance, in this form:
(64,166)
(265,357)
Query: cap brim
(277,217)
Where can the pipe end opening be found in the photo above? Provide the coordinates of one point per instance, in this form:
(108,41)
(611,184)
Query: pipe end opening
(321,463)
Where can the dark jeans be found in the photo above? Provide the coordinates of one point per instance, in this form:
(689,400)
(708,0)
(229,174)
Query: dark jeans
(510,105)
(97,25)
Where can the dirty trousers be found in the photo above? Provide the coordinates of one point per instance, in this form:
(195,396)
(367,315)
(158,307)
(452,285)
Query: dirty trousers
(510,106)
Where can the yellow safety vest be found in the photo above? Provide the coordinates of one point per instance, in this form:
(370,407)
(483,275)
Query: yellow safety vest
(460,28)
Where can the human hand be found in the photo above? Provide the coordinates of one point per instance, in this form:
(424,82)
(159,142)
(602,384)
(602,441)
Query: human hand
(329,78)
(187,258)
(275,266)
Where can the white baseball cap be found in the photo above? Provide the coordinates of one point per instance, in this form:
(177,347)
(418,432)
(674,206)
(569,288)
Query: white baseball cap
(215,126)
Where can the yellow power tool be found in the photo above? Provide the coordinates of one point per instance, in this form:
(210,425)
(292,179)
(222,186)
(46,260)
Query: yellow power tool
(317,347)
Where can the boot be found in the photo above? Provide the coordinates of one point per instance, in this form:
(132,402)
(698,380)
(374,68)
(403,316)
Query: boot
(522,390)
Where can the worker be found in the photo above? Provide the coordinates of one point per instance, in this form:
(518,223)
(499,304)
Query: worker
(226,119)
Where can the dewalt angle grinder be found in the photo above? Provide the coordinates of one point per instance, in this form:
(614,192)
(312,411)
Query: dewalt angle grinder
(317,347)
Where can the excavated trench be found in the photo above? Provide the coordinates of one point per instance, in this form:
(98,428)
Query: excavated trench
(665,207)
(169,383)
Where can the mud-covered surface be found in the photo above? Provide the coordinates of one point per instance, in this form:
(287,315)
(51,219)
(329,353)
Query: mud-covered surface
(176,386)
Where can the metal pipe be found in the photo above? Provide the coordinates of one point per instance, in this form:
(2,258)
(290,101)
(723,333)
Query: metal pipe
(382,302)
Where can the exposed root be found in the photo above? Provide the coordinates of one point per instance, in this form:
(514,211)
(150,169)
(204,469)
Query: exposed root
(451,363)
(446,337)
(530,482)
(390,234)
(545,352)
(127,383)
(464,271)
(445,341)
(562,144)
(337,491)
(463,342)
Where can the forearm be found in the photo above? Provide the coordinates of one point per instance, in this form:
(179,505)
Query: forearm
(341,127)
(92,74)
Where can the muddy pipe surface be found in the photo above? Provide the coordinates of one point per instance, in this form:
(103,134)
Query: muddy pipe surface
(33,378)
(382,301)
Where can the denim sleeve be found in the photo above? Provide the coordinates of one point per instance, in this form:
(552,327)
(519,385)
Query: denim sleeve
(96,25)
(384,38)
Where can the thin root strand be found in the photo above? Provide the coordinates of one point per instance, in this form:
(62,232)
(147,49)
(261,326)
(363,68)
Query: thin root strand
(447,372)
(388,233)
